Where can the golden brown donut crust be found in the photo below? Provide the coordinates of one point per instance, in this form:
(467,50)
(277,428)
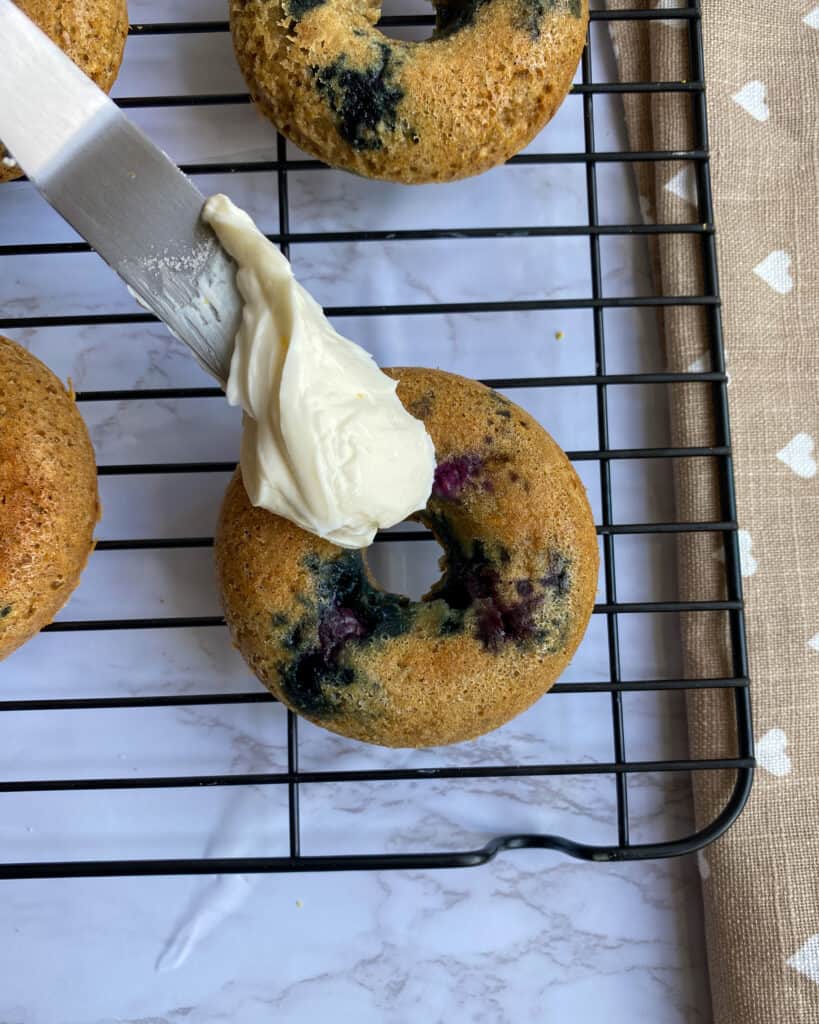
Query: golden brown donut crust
(91,32)
(48,496)
(455,105)
(509,505)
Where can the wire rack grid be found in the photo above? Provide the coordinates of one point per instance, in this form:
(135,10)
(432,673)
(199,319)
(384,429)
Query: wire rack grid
(293,778)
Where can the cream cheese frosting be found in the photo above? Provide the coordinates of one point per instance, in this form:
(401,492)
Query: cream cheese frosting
(327,443)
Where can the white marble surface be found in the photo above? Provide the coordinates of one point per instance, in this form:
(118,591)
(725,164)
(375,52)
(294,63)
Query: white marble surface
(530,937)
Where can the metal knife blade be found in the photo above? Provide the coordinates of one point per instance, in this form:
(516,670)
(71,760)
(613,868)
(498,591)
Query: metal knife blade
(117,189)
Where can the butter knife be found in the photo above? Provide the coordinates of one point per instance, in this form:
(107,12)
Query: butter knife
(121,193)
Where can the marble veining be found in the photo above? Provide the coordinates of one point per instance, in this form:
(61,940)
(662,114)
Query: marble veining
(530,937)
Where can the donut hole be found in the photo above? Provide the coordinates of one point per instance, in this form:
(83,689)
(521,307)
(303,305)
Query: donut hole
(450,17)
(410,568)
(406,33)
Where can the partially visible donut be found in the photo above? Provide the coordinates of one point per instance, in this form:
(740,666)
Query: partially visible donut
(476,93)
(518,586)
(48,496)
(91,32)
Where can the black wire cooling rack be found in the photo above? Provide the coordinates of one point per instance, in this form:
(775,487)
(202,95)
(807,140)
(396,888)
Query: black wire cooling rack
(620,768)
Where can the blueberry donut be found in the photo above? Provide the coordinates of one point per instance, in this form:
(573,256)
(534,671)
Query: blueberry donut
(517,589)
(91,32)
(48,496)
(477,92)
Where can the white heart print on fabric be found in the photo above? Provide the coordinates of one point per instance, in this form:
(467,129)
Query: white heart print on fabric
(798,456)
(812,19)
(752,97)
(772,754)
(775,271)
(748,565)
(813,643)
(702,364)
(684,185)
(806,959)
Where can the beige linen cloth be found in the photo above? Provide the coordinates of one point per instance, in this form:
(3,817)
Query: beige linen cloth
(761,881)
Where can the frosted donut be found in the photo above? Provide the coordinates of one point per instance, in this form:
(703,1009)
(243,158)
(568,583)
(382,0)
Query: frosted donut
(477,92)
(518,586)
